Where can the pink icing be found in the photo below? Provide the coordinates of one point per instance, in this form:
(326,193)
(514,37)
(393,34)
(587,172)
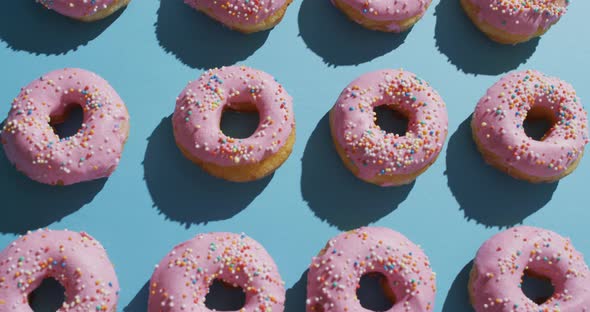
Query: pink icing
(77,8)
(182,279)
(76,260)
(521,17)
(239,12)
(501,261)
(92,153)
(334,275)
(389,11)
(200,106)
(500,114)
(372,150)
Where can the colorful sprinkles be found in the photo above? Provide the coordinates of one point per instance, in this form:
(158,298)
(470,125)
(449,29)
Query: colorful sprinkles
(335,273)
(200,106)
(503,260)
(375,152)
(76,260)
(182,279)
(93,152)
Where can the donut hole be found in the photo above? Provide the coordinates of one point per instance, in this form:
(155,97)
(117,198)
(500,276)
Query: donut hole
(538,123)
(225,297)
(373,292)
(48,297)
(69,122)
(240,121)
(391,120)
(537,287)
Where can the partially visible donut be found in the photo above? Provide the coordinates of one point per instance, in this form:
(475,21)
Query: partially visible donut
(384,15)
(514,21)
(334,275)
(503,260)
(76,260)
(92,153)
(182,279)
(247,16)
(197,119)
(85,10)
(388,159)
(498,126)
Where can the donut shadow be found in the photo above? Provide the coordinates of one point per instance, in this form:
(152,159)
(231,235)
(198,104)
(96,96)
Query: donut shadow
(30,205)
(139,303)
(183,192)
(199,41)
(297,295)
(470,50)
(458,296)
(334,194)
(339,41)
(485,194)
(28,26)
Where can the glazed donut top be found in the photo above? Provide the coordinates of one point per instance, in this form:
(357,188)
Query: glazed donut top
(249,12)
(521,17)
(200,106)
(182,279)
(92,153)
(77,8)
(500,114)
(387,10)
(76,260)
(335,273)
(503,259)
(375,152)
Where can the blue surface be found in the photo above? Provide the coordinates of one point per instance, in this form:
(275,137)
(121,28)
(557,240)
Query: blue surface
(156,198)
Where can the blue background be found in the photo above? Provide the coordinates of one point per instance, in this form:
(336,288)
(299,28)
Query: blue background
(157,199)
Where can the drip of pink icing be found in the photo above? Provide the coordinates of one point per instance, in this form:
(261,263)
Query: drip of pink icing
(502,260)
(199,108)
(521,17)
(334,275)
(388,11)
(76,260)
(182,279)
(238,12)
(499,117)
(77,8)
(92,153)
(372,150)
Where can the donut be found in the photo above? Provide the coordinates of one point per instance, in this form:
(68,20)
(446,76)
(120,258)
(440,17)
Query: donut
(248,16)
(75,260)
(503,260)
(182,279)
(85,10)
(381,158)
(31,144)
(334,275)
(497,125)
(196,122)
(514,21)
(384,15)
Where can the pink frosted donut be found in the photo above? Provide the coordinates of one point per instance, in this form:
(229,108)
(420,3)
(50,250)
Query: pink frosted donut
(247,16)
(85,10)
(76,260)
(515,21)
(182,279)
(498,126)
(92,153)
(385,158)
(197,118)
(500,264)
(334,275)
(384,15)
